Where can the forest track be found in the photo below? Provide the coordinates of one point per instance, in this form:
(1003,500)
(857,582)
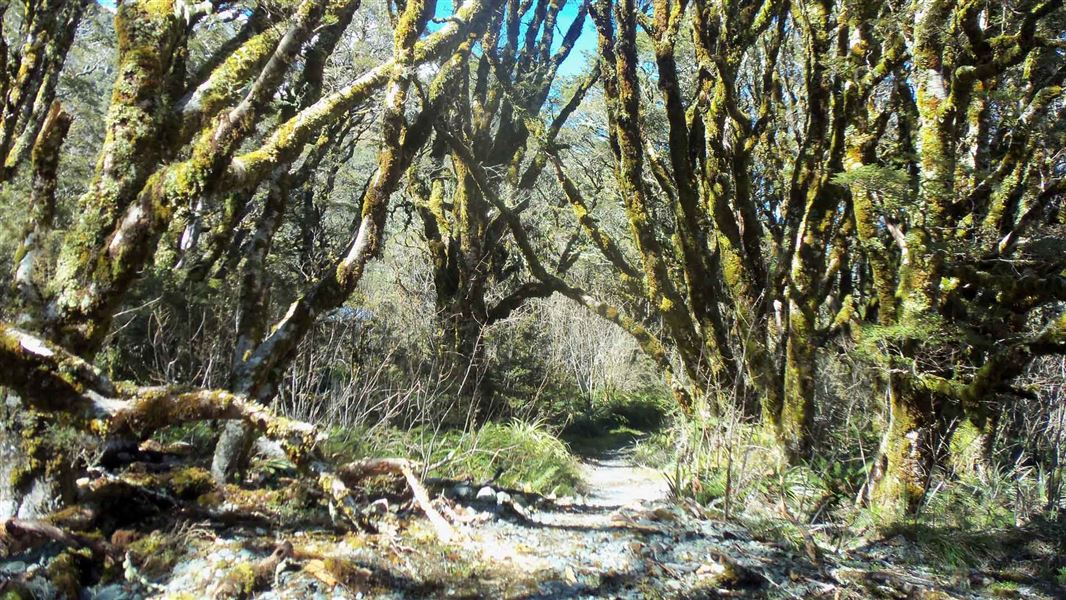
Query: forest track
(626,537)
(590,545)
(623,537)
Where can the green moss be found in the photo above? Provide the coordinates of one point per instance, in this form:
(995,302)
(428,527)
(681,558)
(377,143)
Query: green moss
(243,575)
(226,81)
(42,448)
(65,572)
(156,553)
(191,482)
(345,571)
(16,591)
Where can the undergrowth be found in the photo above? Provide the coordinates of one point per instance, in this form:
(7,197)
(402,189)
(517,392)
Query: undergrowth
(977,513)
(519,454)
(615,420)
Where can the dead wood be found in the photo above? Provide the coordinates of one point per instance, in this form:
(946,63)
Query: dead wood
(20,535)
(361,469)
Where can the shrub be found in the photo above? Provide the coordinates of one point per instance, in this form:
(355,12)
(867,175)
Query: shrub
(518,454)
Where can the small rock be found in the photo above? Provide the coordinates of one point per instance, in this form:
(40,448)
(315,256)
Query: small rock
(462,492)
(503,498)
(15,567)
(486,493)
(270,449)
(713,569)
(111,592)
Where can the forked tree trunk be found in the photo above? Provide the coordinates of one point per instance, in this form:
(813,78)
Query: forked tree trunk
(402,142)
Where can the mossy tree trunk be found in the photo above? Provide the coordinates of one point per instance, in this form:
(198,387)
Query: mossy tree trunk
(171,143)
(499,104)
(28,86)
(253,304)
(36,474)
(914,436)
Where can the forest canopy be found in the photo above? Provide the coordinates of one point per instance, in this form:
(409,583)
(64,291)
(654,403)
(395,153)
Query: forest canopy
(777,213)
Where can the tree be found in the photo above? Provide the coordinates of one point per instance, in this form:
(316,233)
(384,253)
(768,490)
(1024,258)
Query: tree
(172,140)
(789,173)
(497,110)
(973,304)
(830,167)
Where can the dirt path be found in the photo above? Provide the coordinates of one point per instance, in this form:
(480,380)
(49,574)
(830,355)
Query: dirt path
(624,538)
(614,480)
(586,546)
(579,546)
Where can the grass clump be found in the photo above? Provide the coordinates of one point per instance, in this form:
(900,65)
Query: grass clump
(1004,589)
(519,454)
(156,553)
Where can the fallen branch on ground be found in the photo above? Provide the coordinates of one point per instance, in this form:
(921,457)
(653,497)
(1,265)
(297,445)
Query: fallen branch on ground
(361,469)
(19,535)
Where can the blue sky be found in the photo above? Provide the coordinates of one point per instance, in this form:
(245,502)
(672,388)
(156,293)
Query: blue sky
(576,60)
(574,63)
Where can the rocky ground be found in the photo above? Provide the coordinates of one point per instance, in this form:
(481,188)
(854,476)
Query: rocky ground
(623,539)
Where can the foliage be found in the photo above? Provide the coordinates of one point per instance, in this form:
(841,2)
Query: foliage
(522,455)
(645,411)
(813,248)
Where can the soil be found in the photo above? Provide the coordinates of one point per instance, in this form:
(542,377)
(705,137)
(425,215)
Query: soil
(624,537)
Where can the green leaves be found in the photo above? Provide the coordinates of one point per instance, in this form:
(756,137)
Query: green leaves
(890,186)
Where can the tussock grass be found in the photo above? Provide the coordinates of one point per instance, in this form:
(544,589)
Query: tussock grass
(519,454)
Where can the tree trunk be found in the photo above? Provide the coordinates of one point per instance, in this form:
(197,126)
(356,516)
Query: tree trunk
(797,409)
(35,476)
(463,349)
(908,449)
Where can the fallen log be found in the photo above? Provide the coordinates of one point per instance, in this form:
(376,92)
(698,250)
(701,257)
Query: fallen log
(21,535)
(51,379)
